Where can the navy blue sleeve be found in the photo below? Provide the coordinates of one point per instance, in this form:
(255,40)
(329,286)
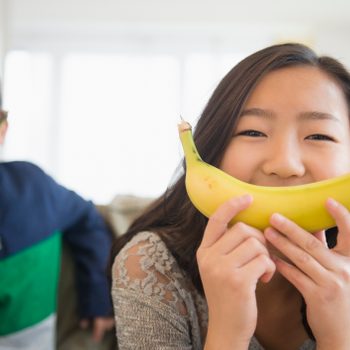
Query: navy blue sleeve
(90,242)
(33,206)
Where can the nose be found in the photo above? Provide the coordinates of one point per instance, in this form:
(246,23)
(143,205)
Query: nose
(284,159)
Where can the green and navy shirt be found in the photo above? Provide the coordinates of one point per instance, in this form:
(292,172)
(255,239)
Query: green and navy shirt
(36,213)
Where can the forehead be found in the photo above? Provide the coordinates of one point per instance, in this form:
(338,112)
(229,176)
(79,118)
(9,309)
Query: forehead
(305,77)
(300,87)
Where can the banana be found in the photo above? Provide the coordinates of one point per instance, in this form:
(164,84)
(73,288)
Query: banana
(208,187)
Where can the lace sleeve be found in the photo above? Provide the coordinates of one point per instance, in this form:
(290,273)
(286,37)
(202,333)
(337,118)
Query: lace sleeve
(149,297)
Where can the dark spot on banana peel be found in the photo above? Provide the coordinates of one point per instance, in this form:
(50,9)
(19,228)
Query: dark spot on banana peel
(209,181)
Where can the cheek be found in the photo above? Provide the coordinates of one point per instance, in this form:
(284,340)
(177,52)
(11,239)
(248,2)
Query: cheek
(331,164)
(239,162)
(341,165)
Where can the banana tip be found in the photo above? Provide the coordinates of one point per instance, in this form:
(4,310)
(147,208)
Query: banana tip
(183,125)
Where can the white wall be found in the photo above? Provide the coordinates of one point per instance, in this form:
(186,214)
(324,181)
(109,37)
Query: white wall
(2,38)
(181,10)
(71,91)
(67,24)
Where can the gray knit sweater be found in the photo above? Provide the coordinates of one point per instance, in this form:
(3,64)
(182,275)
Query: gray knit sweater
(155,303)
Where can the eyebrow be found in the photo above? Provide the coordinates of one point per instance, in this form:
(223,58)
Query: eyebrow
(257,112)
(308,115)
(318,116)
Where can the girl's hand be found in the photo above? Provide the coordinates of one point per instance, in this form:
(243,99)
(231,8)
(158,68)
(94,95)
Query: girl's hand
(321,275)
(231,261)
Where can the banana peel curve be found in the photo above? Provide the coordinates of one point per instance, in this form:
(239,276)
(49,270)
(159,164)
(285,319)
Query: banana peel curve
(208,187)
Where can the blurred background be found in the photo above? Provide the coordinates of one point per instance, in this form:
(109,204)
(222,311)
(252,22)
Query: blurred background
(94,88)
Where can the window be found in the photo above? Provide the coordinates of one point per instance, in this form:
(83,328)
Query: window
(106,123)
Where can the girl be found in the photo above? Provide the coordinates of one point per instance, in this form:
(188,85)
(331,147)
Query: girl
(180,281)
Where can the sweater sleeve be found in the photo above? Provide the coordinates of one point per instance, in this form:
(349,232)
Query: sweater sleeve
(145,323)
(149,298)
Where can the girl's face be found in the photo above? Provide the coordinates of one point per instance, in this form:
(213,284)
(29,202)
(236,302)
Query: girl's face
(294,129)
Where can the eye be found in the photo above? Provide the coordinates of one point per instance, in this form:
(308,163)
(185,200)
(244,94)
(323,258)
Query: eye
(320,137)
(251,133)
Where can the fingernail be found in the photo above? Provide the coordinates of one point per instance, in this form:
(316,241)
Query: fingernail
(247,198)
(332,203)
(244,198)
(277,218)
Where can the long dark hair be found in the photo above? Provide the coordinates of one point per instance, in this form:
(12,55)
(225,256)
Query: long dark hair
(172,216)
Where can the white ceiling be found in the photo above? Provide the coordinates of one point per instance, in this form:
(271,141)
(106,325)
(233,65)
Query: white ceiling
(218,11)
(246,24)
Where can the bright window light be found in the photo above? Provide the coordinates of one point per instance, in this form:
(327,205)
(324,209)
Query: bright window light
(119,116)
(105,124)
(27,97)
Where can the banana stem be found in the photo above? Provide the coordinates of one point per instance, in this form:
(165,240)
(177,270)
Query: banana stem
(190,149)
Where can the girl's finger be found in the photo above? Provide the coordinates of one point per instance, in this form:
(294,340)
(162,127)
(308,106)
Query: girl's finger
(342,218)
(298,256)
(321,236)
(261,267)
(305,240)
(218,222)
(247,251)
(300,281)
(235,235)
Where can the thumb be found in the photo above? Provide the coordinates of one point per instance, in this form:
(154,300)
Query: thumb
(341,217)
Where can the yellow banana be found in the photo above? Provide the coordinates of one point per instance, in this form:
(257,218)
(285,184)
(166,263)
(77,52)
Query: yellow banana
(208,187)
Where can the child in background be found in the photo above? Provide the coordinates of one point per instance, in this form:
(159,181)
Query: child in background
(36,213)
